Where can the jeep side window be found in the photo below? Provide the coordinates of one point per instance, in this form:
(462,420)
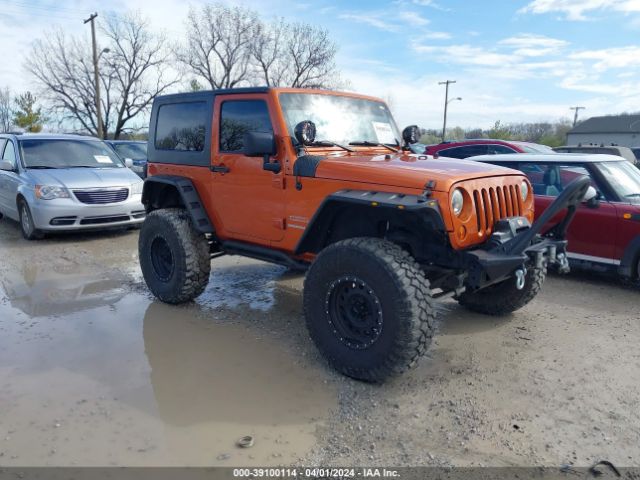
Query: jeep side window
(181,126)
(238,117)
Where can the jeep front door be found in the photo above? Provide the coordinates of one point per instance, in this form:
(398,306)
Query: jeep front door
(248,199)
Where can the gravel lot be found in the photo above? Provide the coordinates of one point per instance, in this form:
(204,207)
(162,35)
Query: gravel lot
(93,371)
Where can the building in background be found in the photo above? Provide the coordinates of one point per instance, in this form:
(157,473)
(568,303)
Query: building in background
(623,130)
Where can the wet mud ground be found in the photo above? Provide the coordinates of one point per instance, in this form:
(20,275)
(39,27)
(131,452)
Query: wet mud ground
(95,372)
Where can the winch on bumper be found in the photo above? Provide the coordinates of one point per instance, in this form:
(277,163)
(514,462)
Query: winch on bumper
(516,245)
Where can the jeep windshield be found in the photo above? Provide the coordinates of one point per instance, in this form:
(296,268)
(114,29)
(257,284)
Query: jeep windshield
(624,178)
(341,119)
(63,153)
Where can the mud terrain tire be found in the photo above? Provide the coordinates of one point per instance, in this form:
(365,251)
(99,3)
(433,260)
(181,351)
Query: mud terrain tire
(368,308)
(504,298)
(174,257)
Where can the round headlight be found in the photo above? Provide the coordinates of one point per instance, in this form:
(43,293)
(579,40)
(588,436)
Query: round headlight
(457,201)
(524,190)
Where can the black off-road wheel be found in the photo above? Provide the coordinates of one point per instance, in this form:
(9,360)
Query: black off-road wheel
(174,257)
(504,297)
(368,308)
(27,227)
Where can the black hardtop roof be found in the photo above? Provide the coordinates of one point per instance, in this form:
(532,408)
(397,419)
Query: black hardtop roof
(212,93)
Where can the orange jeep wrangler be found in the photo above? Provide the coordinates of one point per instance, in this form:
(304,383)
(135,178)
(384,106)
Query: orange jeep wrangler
(323,181)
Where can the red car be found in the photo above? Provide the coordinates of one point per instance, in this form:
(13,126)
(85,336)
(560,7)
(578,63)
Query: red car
(483,146)
(605,233)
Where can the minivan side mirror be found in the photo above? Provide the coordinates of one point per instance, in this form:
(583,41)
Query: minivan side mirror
(590,198)
(128,162)
(7,166)
(261,144)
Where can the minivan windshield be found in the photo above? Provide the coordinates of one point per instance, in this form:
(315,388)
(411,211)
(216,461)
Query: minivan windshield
(65,153)
(341,119)
(134,151)
(624,178)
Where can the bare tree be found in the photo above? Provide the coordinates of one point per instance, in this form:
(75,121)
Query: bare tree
(311,54)
(295,55)
(218,46)
(132,73)
(6,110)
(137,68)
(231,47)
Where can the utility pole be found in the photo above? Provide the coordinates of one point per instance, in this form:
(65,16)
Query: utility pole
(575,116)
(446,104)
(95,73)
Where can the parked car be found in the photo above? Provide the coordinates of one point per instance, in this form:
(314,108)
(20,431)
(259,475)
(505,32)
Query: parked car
(318,180)
(605,233)
(483,146)
(66,182)
(624,152)
(133,149)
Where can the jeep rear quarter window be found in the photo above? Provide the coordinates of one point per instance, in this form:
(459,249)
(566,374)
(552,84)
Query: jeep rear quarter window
(181,126)
(238,117)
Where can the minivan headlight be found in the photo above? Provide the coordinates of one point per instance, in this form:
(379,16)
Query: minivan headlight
(136,188)
(49,192)
(457,202)
(524,190)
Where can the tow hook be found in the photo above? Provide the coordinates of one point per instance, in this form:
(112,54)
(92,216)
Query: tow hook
(520,278)
(563,263)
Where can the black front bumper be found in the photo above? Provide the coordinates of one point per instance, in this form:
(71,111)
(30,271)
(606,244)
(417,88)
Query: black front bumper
(516,245)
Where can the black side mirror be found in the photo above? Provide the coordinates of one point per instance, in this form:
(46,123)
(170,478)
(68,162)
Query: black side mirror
(261,144)
(411,134)
(305,132)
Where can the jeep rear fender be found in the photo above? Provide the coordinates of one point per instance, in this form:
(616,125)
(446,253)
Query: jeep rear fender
(407,219)
(169,191)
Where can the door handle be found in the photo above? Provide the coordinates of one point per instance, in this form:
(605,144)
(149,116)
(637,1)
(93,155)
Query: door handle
(220,169)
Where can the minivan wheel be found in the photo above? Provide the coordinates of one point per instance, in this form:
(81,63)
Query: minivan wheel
(29,231)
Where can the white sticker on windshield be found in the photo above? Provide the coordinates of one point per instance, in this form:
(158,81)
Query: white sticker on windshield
(384,132)
(102,159)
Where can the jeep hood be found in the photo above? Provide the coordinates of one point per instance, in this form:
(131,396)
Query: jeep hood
(409,171)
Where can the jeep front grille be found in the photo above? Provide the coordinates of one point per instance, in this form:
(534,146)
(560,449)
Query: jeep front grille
(100,196)
(495,203)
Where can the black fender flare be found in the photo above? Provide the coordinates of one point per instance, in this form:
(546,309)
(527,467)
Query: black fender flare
(156,185)
(629,257)
(419,211)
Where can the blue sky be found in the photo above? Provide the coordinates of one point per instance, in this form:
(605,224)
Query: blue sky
(513,60)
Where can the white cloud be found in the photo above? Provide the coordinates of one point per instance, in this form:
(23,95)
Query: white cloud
(608,58)
(577,9)
(413,18)
(436,36)
(372,19)
(466,55)
(529,45)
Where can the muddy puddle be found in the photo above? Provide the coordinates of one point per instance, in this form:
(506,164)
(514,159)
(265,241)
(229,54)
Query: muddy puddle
(93,371)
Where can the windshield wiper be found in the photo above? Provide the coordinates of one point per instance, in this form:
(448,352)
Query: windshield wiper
(366,143)
(633,195)
(36,167)
(324,143)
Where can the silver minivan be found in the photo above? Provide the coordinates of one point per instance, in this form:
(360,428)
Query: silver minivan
(66,182)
